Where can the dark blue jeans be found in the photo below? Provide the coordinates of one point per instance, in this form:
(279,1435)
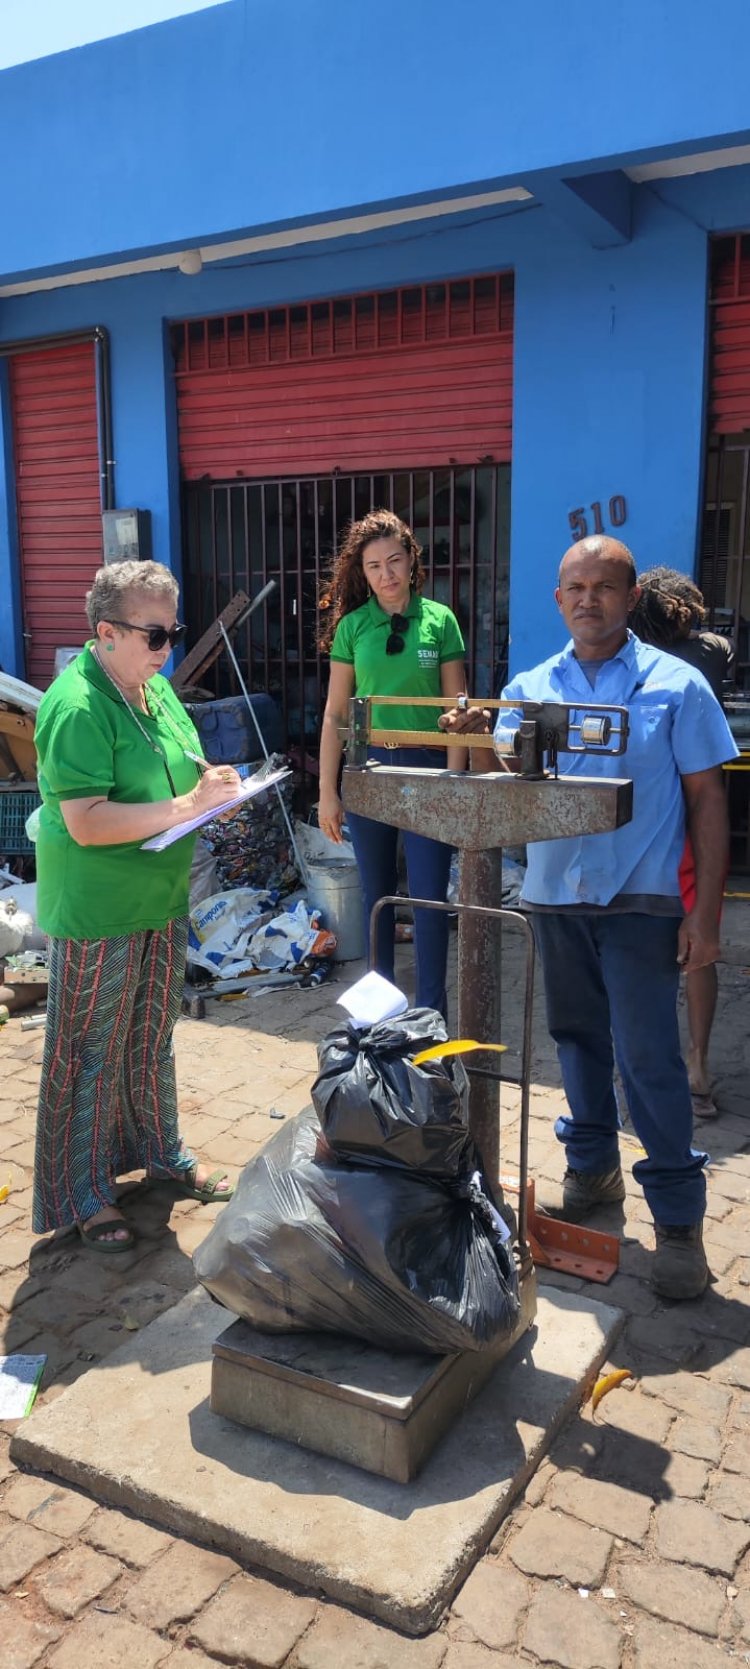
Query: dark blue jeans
(611,988)
(428,868)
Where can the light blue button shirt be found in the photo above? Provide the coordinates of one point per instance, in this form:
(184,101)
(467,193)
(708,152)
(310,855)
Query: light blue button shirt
(676,727)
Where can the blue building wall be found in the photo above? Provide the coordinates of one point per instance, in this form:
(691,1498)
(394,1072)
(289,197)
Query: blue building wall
(266,111)
(609,399)
(610,344)
(608,375)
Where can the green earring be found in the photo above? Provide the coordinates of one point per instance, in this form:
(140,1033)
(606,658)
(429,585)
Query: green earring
(110,649)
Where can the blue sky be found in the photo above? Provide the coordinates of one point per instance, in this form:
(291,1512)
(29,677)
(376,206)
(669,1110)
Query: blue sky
(36,28)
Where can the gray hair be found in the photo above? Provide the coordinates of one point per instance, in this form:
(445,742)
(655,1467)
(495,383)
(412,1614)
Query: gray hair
(119,580)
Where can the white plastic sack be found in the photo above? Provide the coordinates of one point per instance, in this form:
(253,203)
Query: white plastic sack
(15,926)
(24,894)
(514,875)
(285,941)
(222,926)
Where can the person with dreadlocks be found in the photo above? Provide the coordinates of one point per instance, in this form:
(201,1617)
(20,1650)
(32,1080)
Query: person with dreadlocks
(385,638)
(670,614)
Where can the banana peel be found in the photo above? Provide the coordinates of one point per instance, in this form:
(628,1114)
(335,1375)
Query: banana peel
(607,1383)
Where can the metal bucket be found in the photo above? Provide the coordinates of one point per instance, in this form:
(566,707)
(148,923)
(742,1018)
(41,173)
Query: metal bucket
(64,656)
(333,887)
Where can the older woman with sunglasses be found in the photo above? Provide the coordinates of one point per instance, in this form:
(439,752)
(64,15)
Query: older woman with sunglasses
(385,638)
(118,762)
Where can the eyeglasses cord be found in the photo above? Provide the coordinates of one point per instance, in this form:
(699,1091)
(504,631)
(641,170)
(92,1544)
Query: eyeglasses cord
(161,713)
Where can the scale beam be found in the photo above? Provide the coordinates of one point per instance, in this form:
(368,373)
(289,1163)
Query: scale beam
(483,811)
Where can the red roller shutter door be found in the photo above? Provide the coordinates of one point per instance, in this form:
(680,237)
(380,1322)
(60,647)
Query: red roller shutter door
(55,441)
(401,379)
(729,402)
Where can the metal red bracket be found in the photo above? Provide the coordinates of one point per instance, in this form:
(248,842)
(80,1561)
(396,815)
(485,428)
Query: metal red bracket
(566,1246)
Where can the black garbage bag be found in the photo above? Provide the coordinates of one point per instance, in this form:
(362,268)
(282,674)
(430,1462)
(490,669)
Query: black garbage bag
(376,1107)
(387,1252)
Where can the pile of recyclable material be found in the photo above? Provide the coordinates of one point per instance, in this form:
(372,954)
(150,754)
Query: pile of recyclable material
(368,1214)
(253,848)
(15,926)
(243,931)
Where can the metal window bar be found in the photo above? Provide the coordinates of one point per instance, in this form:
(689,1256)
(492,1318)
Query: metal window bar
(299,584)
(728,544)
(742,558)
(219,516)
(472,554)
(713,556)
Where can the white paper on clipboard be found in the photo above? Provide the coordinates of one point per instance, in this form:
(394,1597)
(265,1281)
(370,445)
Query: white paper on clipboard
(254,785)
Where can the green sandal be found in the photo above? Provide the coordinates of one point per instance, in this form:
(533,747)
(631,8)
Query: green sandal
(94,1241)
(208,1193)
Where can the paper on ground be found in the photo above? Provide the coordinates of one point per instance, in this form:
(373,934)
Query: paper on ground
(371,999)
(20,1378)
(253,785)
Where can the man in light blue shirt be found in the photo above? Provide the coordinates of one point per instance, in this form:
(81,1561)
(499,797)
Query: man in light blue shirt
(677,731)
(607,914)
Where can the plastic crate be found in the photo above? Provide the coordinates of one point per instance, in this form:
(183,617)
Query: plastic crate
(15,806)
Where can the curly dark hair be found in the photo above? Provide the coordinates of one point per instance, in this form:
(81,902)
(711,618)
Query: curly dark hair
(669,608)
(347,588)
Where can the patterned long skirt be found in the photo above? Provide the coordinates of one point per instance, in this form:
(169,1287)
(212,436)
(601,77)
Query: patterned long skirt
(108,1096)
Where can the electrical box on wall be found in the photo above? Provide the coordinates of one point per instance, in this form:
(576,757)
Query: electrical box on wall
(126,535)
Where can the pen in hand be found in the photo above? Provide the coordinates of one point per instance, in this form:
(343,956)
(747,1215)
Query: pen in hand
(203,765)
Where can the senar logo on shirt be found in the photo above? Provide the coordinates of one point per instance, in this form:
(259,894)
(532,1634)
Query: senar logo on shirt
(427,656)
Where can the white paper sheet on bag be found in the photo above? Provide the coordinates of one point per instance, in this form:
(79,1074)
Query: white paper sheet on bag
(373,998)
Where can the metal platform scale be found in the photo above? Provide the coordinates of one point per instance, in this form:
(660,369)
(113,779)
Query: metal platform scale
(480,812)
(377,1410)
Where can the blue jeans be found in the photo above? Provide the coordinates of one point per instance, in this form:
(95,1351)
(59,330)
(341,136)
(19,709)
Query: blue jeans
(611,988)
(428,869)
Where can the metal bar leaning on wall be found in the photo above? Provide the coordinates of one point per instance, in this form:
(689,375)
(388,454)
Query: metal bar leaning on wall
(261,737)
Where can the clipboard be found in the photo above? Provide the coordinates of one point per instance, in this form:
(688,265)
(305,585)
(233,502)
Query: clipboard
(249,789)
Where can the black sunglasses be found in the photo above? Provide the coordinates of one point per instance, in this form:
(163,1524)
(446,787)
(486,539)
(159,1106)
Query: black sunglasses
(157,636)
(395,643)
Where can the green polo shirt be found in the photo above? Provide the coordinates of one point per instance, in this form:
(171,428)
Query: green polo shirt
(433,636)
(88,743)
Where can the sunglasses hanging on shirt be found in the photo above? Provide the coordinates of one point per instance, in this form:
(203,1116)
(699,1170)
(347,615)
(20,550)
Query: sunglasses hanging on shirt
(395,643)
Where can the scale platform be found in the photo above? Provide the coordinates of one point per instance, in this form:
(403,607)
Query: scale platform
(380,1410)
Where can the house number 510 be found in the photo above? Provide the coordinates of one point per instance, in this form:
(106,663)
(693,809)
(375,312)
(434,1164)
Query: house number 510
(617,510)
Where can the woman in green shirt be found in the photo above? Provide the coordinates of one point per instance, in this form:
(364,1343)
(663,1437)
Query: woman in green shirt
(385,638)
(117,764)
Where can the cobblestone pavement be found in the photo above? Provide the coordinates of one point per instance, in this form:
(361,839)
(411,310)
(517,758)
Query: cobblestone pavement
(631,1546)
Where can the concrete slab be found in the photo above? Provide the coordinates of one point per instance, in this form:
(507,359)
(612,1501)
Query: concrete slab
(138,1432)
